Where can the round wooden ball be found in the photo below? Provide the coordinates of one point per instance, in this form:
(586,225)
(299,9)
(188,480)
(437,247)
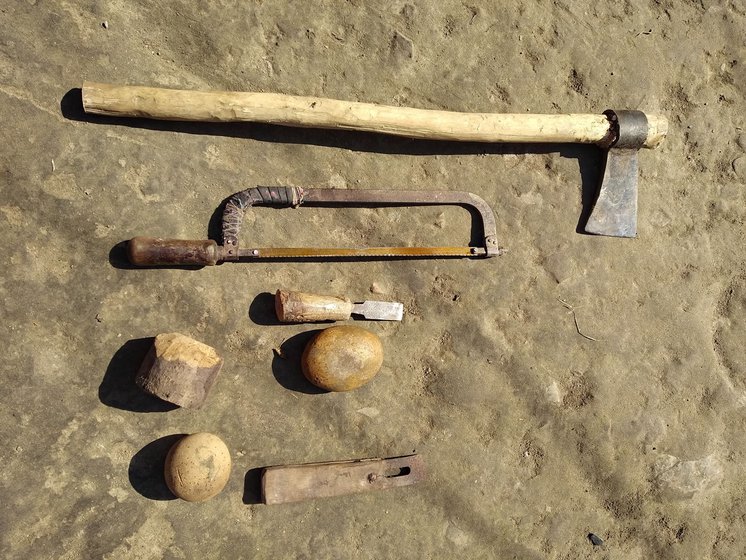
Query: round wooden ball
(342,358)
(197,467)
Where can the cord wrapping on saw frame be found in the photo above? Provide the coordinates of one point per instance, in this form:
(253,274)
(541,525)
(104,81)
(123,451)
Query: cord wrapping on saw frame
(234,208)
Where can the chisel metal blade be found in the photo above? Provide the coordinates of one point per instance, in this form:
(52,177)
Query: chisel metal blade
(379,310)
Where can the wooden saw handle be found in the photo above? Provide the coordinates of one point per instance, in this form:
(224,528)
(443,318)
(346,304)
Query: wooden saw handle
(300,307)
(316,112)
(154,251)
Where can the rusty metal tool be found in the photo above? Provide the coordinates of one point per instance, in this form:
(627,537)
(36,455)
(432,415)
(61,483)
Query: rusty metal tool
(615,210)
(149,251)
(294,483)
(619,133)
(301,307)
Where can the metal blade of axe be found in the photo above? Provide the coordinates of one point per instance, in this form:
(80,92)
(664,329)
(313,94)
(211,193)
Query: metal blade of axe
(615,210)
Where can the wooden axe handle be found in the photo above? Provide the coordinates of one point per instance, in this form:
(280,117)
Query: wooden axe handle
(316,112)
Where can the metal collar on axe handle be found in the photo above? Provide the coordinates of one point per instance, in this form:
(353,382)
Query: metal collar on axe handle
(621,133)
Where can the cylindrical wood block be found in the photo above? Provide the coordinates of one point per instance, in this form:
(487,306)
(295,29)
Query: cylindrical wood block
(300,307)
(180,370)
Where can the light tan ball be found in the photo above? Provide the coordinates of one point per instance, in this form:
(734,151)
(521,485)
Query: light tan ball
(197,467)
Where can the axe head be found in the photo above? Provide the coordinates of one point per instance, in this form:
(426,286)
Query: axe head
(615,211)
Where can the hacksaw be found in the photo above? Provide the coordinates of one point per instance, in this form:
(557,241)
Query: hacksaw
(150,251)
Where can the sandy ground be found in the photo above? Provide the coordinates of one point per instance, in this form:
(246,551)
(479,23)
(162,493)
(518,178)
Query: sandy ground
(534,435)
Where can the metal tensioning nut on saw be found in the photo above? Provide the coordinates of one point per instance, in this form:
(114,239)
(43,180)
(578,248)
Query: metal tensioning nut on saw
(149,251)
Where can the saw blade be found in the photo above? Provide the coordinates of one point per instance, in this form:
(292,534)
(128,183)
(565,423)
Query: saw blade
(310,252)
(380,310)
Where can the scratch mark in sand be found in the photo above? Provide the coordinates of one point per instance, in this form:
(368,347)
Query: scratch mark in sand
(123,138)
(575,318)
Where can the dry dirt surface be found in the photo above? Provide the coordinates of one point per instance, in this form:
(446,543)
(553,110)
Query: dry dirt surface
(576,385)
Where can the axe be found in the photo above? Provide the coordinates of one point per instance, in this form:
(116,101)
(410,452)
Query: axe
(620,133)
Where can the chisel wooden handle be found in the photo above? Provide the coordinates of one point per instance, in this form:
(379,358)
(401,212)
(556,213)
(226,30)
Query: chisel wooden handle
(300,307)
(317,112)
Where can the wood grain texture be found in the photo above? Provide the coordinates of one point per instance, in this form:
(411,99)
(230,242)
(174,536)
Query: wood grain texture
(152,251)
(301,307)
(180,370)
(294,483)
(316,112)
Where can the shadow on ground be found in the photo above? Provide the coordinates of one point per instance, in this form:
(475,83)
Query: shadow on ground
(146,469)
(118,388)
(262,311)
(252,487)
(286,364)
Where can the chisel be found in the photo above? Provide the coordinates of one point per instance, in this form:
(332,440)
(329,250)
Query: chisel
(300,307)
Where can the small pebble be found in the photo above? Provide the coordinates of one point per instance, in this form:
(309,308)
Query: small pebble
(595,539)
(336,181)
(739,166)
(375,288)
(368,411)
(105,25)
